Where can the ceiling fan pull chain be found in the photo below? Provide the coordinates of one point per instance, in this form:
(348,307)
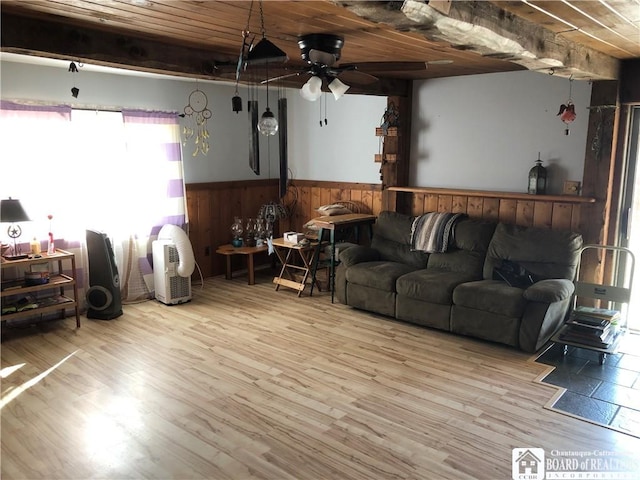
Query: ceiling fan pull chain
(325,109)
(320,111)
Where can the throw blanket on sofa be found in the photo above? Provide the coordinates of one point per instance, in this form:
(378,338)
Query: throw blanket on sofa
(431,232)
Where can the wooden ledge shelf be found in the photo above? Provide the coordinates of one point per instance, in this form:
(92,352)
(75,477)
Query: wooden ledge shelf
(391,132)
(491,194)
(387,157)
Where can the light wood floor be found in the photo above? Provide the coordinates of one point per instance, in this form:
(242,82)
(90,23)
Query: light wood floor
(245,382)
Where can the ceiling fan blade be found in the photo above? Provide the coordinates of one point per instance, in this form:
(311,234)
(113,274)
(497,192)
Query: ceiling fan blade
(390,66)
(321,58)
(281,77)
(355,77)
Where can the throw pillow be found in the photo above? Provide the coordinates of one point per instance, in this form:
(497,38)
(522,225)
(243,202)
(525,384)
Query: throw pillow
(333,209)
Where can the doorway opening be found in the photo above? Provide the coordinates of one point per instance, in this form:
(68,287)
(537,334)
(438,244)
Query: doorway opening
(629,232)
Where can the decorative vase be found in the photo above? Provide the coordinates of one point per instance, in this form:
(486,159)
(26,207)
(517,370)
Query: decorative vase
(236,231)
(249,233)
(260,232)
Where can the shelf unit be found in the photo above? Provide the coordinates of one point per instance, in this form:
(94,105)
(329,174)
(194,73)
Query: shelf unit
(59,282)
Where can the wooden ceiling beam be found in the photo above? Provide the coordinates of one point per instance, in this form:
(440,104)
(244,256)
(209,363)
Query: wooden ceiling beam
(488,30)
(55,39)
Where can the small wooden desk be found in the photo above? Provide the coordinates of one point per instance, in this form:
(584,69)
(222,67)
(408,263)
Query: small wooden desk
(287,277)
(229,250)
(336,223)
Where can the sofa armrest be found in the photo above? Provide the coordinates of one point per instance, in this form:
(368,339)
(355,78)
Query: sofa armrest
(358,254)
(550,290)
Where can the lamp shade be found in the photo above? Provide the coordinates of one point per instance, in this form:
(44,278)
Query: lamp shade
(312,90)
(338,88)
(11,211)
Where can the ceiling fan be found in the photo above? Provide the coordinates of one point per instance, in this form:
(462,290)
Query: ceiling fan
(322,51)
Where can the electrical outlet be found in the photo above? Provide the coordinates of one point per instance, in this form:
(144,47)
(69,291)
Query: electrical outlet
(571,188)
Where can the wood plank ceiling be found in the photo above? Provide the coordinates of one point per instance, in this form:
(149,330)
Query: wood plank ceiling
(582,39)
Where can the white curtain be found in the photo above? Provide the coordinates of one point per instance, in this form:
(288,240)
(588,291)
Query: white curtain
(117,172)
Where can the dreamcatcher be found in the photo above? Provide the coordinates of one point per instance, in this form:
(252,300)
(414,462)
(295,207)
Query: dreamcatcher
(197,114)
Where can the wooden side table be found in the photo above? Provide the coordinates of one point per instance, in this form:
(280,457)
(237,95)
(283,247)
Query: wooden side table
(229,250)
(288,253)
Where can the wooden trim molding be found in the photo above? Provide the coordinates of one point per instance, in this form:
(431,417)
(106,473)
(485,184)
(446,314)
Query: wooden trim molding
(557,212)
(492,194)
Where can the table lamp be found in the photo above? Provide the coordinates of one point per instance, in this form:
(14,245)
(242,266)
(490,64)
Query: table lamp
(11,211)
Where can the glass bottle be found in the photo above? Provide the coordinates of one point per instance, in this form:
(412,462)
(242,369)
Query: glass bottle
(249,233)
(236,231)
(260,232)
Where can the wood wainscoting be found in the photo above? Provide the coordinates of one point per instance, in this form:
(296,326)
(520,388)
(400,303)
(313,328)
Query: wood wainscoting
(212,207)
(305,196)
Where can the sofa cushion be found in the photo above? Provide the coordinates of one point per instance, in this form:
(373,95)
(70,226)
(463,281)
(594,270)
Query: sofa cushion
(473,234)
(550,291)
(358,254)
(467,250)
(379,275)
(491,296)
(396,252)
(544,252)
(431,285)
(394,226)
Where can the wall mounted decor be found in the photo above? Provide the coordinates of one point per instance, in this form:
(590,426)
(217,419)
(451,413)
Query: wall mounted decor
(567,111)
(196,114)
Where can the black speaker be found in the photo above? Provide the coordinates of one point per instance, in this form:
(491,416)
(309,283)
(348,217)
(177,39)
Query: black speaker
(103,297)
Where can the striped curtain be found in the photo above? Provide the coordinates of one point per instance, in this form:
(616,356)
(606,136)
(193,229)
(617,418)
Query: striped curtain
(38,168)
(154,160)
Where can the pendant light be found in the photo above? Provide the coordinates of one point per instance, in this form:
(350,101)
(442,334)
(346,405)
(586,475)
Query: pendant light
(268,124)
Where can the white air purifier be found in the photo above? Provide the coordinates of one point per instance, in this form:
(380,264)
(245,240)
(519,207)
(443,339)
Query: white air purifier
(171,288)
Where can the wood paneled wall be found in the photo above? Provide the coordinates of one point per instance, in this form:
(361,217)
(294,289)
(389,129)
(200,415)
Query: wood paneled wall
(304,197)
(212,207)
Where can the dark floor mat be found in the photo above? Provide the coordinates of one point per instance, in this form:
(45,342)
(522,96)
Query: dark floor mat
(607,394)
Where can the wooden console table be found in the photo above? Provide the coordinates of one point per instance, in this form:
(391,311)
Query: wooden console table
(333,224)
(229,250)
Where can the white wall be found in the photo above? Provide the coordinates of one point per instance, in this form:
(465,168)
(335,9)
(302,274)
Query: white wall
(477,132)
(340,151)
(485,131)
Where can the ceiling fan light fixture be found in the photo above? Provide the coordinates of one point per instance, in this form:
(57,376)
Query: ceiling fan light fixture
(338,88)
(323,43)
(312,90)
(268,124)
(265,51)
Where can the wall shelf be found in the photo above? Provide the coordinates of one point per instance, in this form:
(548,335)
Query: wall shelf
(492,194)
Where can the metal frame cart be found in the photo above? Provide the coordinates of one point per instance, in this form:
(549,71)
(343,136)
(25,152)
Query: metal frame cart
(620,294)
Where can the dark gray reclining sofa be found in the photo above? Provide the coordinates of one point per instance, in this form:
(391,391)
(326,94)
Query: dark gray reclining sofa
(455,290)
